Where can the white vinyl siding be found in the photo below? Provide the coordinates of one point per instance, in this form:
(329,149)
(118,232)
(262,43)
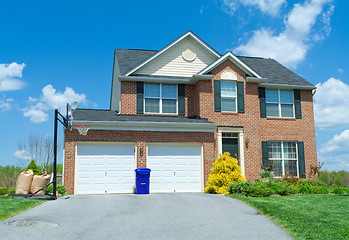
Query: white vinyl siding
(160,98)
(279,103)
(283,158)
(173,64)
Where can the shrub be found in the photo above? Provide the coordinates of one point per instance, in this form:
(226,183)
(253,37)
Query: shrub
(3,190)
(238,187)
(256,190)
(11,191)
(309,182)
(346,190)
(32,165)
(225,171)
(281,188)
(338,190)
(321,190)
(60,189)
(305,189)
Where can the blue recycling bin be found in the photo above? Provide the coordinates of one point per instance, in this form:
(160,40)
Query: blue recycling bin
(142,180)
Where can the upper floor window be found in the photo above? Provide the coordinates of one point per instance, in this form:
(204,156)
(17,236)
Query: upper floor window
(279,103)
(283,158)
(228,96)
(160,98)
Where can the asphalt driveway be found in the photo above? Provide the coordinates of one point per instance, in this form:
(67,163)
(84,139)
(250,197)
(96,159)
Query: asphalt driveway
(154,216)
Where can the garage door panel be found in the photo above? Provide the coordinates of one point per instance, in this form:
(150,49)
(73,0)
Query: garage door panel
(105,168)
(174,168)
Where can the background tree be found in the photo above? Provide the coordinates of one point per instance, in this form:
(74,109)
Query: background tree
(40,149)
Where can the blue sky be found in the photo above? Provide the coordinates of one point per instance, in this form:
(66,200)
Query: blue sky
(57,51)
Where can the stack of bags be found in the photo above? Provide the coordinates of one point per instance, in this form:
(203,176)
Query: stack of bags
(29,183)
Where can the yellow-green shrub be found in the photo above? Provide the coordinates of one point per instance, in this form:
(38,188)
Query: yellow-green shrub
(225,171)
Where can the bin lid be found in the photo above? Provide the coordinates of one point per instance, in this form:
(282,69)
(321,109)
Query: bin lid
(143,170)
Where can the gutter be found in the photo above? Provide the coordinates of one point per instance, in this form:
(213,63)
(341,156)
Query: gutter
(283,86)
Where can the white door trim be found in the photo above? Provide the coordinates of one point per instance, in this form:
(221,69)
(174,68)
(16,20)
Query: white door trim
(240,132)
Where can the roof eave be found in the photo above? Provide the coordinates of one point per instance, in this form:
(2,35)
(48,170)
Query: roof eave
(286,86)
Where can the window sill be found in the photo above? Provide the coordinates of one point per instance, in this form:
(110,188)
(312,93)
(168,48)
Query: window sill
(161,114)
(230,113)
(281,118)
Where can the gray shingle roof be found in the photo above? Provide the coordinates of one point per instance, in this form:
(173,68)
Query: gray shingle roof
(107,115)
(274,71)
(266,67)
(131,58)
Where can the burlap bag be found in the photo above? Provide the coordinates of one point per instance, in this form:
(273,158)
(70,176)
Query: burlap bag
(40,181)
(24,182)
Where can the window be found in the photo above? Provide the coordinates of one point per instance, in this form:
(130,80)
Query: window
(228,96)
(279,103)
(160,98)
(283,158)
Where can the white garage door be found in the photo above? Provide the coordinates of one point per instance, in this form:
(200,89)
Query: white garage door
(105,168)
(174,168)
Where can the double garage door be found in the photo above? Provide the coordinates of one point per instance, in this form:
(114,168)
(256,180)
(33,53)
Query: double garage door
(109,168)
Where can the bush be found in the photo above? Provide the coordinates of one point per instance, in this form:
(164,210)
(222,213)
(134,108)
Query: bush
(309,182)
(305,189)
(338,190)
(32,165)
(346,190)
(11,191)
(321,190)
(238,187)
(3,190)
(256,190)
(225,171)
(60,189)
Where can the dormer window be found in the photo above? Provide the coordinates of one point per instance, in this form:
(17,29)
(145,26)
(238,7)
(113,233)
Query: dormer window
(160,98)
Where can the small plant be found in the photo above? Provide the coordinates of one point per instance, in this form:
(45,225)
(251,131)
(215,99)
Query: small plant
(225,171)
(3,190)
(321,190)
(265,174)
(238,187)
(60,189)
(305,189)
(338,190)
(11,191)
(32,165)
(314,171)
(257,190)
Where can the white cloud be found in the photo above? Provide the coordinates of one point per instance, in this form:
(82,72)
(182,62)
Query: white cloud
(335,153)
(270,7)
(331,102)
(6,104)
(291,45)
(22,154)
(340,70)
(49,100)
(9,76)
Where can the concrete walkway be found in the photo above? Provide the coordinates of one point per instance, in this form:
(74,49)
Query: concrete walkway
(155,216)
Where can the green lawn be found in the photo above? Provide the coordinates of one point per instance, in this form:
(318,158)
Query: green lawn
(10,207)
(307,216)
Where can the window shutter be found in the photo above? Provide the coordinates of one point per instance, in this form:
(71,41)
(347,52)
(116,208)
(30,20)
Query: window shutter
(217,95)
(263,107)
(140,97)
(265,159)
(241,97)
(297,103)
(301,160)
(181,99)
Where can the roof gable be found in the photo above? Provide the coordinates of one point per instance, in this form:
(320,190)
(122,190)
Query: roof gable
(186,51)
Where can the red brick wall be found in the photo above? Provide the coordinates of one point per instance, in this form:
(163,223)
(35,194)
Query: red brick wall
(141,138)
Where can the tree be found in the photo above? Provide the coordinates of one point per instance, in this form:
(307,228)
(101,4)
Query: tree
(225,171)
(40,149)
(32,165)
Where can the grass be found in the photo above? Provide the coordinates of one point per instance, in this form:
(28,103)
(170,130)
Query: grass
(306,216)
(10,207)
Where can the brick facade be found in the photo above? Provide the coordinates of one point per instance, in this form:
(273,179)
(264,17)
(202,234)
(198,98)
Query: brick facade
(199,101)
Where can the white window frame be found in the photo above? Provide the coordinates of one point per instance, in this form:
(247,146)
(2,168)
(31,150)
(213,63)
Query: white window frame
(279,103)
(160,99)
(283,158)
(236,97)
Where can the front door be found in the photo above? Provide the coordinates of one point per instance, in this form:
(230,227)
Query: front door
(231,145)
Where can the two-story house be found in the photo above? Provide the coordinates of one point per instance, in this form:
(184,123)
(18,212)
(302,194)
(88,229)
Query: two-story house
(175,110)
